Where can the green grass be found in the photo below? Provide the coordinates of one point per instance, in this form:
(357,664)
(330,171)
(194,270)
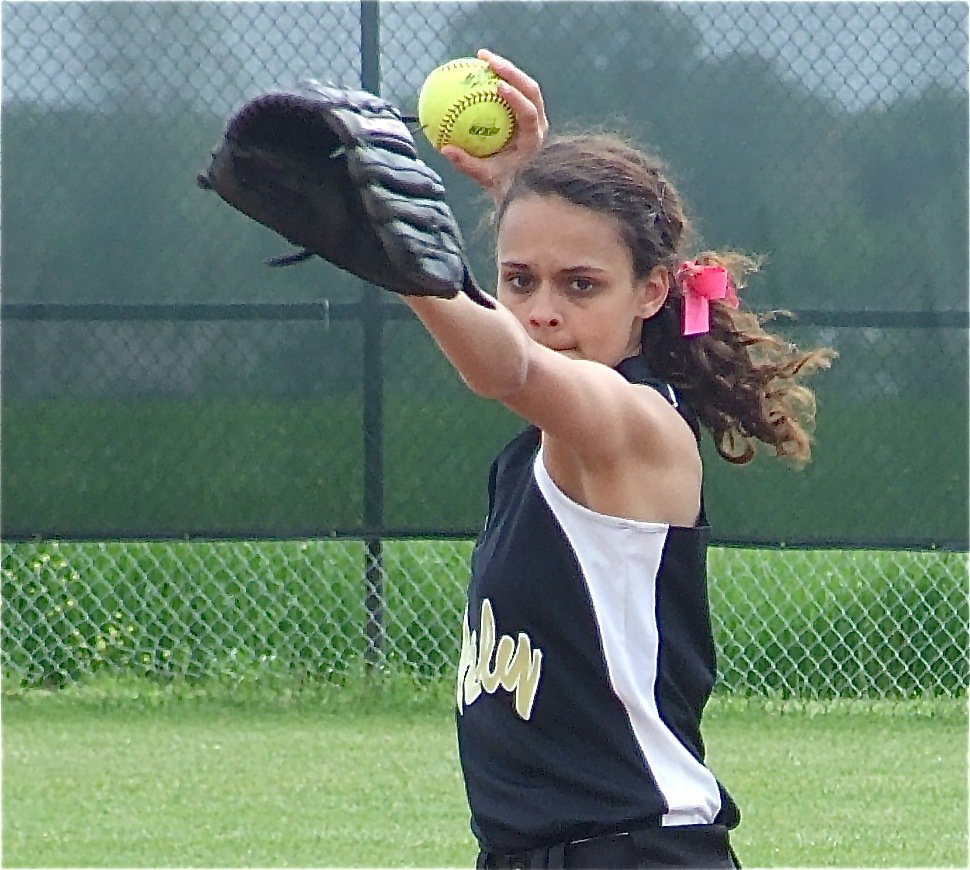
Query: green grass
(805,623)
(840,623)
(848,786)
(130,774)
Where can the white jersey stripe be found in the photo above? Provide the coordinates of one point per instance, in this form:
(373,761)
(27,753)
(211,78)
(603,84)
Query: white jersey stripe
(620,560)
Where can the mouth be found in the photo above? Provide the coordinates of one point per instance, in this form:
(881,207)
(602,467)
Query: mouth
(566,349)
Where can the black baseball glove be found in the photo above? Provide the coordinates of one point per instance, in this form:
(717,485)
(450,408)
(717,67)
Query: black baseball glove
(336,172)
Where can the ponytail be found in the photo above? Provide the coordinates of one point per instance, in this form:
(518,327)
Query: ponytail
(743,382)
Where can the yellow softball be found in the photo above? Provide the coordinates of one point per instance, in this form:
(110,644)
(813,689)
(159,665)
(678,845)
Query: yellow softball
(459,105)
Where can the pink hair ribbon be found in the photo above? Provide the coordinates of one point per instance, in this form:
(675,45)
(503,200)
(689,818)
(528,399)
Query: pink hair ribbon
(701,285)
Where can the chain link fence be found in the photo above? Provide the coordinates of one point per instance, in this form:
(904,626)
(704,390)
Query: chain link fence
(815,624)
(214,469)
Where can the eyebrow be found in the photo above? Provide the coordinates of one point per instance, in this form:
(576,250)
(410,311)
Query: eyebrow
(572,270)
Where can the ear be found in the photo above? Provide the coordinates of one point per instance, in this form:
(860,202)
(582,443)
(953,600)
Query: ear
(653,290)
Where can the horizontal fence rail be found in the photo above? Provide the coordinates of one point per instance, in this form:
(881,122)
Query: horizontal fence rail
(324,310)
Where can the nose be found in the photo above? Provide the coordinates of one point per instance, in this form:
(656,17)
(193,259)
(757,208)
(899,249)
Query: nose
(544,312)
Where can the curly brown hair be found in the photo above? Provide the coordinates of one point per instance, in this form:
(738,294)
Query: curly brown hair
(743,382)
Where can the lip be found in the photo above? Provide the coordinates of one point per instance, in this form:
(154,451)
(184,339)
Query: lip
(566,348)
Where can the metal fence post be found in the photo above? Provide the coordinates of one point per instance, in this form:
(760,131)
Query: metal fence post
(373,377)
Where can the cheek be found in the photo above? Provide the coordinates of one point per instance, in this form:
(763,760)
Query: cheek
(513,303)
(609,334)
(509,300)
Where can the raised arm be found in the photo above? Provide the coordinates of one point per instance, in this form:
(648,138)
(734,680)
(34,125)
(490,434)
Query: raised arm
(614,447)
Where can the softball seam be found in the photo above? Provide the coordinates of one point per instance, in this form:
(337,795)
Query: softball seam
(463,63)
(454,113)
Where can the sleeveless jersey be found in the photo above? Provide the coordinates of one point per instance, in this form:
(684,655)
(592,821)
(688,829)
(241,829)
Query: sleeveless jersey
(587,659)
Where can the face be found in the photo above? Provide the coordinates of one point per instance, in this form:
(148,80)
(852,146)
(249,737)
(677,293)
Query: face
(567,275)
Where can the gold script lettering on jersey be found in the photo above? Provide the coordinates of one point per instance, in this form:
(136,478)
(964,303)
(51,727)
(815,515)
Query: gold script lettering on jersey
(488,664)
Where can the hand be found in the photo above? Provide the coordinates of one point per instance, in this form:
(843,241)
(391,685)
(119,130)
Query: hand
(522,93)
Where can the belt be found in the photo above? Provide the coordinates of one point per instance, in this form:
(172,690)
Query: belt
(616,850)
(675,846)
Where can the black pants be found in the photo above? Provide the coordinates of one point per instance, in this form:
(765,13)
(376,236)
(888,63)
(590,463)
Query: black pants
(706,846)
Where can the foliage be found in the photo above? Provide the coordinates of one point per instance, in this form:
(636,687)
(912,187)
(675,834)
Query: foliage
(788,623)
(853,208)
(263,465)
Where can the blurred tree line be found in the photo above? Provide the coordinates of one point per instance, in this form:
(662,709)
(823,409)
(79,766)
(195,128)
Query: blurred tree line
(860,209)
(854,206)
(852,209)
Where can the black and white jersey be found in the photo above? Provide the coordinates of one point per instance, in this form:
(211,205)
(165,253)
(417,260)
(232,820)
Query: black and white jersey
(587,659)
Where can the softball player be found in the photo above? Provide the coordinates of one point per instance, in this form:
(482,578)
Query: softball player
(587,655)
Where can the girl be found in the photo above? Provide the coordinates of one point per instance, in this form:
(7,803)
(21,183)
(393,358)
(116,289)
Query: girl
(587,655)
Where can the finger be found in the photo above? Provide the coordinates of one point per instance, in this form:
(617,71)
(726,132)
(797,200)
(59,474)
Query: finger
(526,113)
(521,81)
(474,167)
(485,55)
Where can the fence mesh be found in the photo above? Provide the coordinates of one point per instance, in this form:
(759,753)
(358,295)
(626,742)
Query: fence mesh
(792,623)
(239,404)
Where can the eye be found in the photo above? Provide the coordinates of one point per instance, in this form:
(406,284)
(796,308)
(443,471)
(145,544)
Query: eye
(521,282)
(582,286)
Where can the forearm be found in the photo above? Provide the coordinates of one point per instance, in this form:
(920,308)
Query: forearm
(488,348)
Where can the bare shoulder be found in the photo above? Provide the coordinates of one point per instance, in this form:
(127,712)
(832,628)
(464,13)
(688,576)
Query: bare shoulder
(616,447)
(594,412)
